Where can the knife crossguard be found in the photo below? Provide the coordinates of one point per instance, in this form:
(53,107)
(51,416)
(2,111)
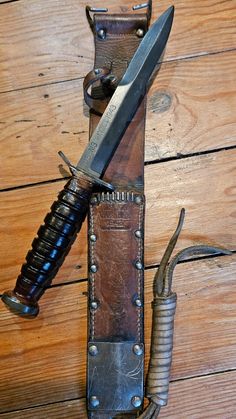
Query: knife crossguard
(76,172)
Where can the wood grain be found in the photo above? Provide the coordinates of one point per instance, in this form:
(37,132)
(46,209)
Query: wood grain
(65,410)
(43,360)
(190,110)
(190,107)
(210,397)
(22,213)
(204,185)
(44,42)
(205,316)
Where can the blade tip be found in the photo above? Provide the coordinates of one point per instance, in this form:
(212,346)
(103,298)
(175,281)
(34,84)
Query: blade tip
(171,11)
(168,15)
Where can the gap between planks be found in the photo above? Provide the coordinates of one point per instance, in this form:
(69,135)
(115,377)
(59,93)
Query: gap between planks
(198,28)
(8,1)
(170,60)
(207,204)
(83,400)
(148,163)
(147,268)
(190,110)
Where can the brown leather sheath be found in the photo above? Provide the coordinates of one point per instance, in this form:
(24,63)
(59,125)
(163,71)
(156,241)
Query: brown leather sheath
(116,234)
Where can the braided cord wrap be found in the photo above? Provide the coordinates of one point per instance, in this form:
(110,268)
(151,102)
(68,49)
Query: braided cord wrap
(158,378)
(164,307)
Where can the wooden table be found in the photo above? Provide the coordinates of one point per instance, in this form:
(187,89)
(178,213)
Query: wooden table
(46,50)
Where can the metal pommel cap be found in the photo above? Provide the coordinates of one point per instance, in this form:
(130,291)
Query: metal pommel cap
(19,305)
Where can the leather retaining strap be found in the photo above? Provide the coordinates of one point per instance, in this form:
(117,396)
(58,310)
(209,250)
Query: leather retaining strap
(115,331)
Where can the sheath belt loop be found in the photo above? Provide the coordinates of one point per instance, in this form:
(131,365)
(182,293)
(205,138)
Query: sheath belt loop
(100,96)
(89,10)
(147,5)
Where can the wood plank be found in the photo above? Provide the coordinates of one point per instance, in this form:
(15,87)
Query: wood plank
(190,109)
(204,339)
(22,212)
(73,410)
(204,185)
(44,42)
(43,360)
(211,397)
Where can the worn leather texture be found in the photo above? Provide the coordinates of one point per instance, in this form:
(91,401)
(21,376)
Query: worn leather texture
(115,52)
(114,218)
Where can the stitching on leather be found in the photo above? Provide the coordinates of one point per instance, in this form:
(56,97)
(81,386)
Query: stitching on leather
(92,278)
(139,276)
(121,35)
(140,273)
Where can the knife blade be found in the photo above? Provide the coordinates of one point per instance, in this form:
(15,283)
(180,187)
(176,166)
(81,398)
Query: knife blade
(64,221)
(126,98)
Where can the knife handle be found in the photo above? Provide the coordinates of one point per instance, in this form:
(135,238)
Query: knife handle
(49,248)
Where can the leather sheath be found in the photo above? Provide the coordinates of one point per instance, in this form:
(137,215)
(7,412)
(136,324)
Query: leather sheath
(116,237)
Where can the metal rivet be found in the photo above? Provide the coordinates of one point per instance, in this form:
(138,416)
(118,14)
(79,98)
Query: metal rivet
(94,401)
(97,71)
(93,268)
(138,302)
(138,350)
(138,199)
(93,237)
(94,305)
(140,33)
(93,350)
(138,234)
(101,33)
(136,401)
(138,265)
(94,200)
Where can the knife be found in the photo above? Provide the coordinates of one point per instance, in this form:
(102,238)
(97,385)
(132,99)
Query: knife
(62,224)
